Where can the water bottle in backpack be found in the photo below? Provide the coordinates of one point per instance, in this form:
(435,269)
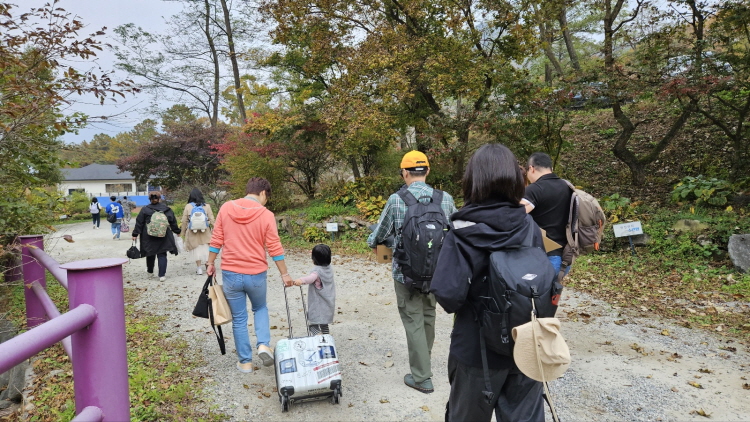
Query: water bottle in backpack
(198,219)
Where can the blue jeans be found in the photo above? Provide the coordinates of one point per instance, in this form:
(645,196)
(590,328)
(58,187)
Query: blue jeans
(556,262)
(116,229)
(236,286)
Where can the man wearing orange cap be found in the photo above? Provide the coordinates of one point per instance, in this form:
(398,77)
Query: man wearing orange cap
(417,310)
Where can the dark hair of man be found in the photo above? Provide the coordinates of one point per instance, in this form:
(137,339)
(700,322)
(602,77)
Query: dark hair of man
(94,200)
(112,198)
(493,173)
(124,197)
(154,198)
(541,160)
(417,173)
(196,197)
(321,255)
(256,185)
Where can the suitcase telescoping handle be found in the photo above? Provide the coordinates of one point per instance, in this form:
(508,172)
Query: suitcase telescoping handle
(289,317)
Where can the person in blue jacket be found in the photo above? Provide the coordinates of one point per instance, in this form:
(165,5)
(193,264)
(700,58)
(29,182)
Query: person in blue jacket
(113,208)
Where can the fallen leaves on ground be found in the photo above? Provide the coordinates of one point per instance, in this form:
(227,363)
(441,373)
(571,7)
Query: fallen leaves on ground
(695,384)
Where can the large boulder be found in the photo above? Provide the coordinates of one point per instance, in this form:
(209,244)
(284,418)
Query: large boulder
(739,251)
(689,226)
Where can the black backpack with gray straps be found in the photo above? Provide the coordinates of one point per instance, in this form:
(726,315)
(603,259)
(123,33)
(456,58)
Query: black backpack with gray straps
(422,234)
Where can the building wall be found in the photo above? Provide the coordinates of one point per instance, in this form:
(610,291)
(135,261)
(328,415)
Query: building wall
(98,187)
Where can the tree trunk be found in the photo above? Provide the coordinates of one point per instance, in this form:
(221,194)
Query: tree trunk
(546,37)
(233,59)
(355,167)
(563,19)
(215,57)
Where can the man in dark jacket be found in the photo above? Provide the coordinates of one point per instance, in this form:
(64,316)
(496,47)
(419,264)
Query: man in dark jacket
(547,200)
(153,247)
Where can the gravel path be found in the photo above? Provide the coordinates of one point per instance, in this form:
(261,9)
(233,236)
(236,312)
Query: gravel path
(623,368)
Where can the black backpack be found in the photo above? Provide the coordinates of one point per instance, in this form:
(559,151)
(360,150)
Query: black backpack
(517,276)
(422,234)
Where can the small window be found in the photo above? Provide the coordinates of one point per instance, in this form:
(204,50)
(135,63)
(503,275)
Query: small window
(118,187)
(70,191)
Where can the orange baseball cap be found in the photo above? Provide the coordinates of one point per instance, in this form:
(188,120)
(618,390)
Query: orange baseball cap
(414,160)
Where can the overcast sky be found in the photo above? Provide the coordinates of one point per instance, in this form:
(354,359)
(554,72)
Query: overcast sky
(95,14)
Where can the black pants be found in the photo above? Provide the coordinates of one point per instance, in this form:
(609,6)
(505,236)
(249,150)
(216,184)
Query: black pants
(96,218)
(518,398)
(162,263)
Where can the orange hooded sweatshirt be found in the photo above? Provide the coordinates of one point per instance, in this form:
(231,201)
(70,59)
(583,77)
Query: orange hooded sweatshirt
(244,229)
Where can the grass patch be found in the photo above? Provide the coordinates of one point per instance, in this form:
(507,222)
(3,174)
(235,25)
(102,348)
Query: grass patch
(319,210)
(164,384)
(683,276)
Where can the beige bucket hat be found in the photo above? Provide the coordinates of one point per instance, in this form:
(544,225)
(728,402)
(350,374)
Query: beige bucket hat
(554,355)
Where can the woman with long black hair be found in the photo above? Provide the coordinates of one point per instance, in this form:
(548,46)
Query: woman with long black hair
(491,219)
(197,239)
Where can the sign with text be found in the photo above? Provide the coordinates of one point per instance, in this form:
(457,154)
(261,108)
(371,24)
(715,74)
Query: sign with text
(628,229)
(332,227)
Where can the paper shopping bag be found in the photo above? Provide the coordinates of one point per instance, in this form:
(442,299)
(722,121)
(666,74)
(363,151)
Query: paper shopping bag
(220,307)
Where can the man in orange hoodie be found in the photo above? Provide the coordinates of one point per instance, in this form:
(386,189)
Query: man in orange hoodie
(244,229)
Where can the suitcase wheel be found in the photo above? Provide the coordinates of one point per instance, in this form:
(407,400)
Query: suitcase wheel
(336,395)
(284,403)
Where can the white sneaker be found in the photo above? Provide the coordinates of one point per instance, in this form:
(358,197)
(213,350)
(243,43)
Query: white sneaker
(114,236)
(162,278)
(199,271)
(150,275)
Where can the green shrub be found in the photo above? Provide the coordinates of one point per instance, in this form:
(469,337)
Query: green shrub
(617,208)
(318,211)
(350,193)
(371,207)
(315,234)
(242,167)
(700,190)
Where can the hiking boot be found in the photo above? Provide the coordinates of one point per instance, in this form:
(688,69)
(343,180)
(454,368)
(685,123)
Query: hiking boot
(424,386)
(265,354)
(245,367)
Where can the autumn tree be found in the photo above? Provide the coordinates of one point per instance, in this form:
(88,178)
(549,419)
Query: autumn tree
(185,153)
(39,78)
(428,65)
(713,73)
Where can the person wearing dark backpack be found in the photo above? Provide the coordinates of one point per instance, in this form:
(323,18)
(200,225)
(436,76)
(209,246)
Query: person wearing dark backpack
(547,200)
(197,219)
(417,244)
(492,220)
(155,225)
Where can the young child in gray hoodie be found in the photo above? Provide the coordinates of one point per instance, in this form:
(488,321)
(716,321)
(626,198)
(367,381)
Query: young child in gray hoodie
(321,294)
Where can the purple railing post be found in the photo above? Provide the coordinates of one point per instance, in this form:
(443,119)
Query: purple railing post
(100,361)
(32,271)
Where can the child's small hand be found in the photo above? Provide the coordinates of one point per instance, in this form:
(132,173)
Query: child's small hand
(297,282)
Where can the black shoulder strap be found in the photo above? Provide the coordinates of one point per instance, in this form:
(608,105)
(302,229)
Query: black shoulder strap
(437,196)
(489,396)
(407,196)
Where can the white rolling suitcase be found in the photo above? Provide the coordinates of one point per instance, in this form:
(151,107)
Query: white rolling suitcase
(307,368)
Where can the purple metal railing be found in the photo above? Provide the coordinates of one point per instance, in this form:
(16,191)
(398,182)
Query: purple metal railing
(92,332)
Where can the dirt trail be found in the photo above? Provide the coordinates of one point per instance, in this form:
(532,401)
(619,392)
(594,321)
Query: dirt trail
(635,369)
